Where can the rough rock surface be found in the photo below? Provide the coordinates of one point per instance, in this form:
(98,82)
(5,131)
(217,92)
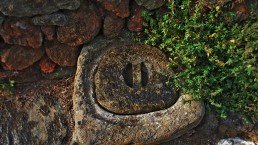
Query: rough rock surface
(21,8)
(112,25)
(56,19)
(83,26)
(18,57)
(150,4)
(235,141)
(49,32)
(61,54)
(134,23)
(28,121)
(21,32)
(119,8)
(130,80)
(47,65)
(96,125)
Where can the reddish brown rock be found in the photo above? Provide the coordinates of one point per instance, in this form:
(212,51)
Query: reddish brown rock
(112,25)
(49,32)
(47,65)
(83,25)
(61,54)
(135,22)
(19,57)
(21,32)
(120,8)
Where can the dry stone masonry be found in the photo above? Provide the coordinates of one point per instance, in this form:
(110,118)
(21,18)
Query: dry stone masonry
(120,95)
(61,27)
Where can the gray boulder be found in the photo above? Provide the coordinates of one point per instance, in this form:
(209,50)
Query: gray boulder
(52,19)
(21,8)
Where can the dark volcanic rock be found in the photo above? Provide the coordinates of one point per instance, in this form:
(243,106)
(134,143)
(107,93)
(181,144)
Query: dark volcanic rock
(112,25)
(134,23)
(29,121)
(94,124)
(21,8)
(47,65)
(21,32)
(119,8)
(150,4)
(83,26)
(61,54)
(51,19)
(49,32)
(19,57)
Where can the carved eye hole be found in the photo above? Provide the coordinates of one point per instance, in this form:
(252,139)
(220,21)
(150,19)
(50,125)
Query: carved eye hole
(128,75)
(144,75)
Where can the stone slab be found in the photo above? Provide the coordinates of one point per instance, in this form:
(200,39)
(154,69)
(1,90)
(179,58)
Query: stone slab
(95,125)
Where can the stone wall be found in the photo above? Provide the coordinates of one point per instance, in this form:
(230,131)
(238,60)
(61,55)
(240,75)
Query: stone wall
(48,35)
(39,38)
(43,39)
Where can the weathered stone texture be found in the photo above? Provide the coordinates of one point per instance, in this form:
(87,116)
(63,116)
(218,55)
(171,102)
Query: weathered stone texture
(95,125)
(47,65)
(112,25)
(21,8)
(84,24)
(61,54)
(130,80)
(18,57)
(29,121)
(21,32)
(49,32)
(150,4)
(119,8)
(56,19)
(134,23)
(235,141)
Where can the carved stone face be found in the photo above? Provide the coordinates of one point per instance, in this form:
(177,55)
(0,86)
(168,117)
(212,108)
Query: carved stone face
(121,97)
(131,80)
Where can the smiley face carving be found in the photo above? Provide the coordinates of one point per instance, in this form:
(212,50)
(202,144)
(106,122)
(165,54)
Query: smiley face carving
(121,97)
(131,80)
